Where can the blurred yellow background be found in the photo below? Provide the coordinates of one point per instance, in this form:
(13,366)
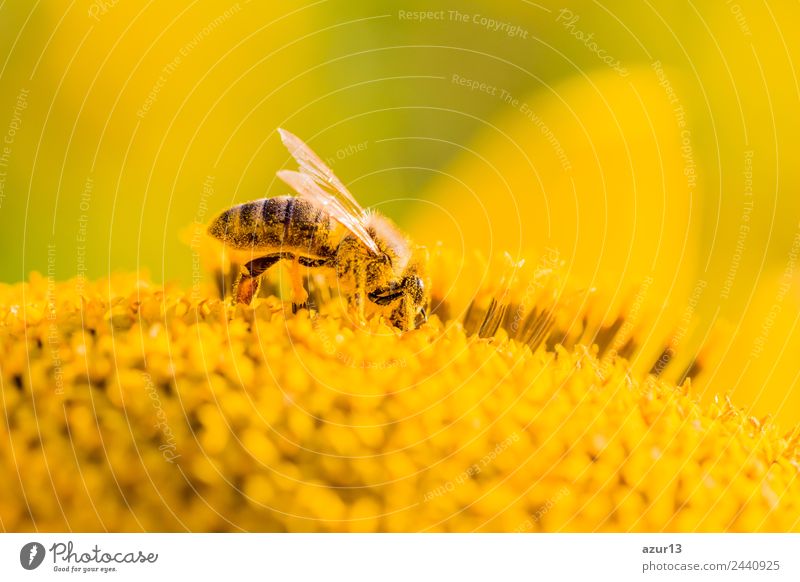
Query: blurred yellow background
(646,142)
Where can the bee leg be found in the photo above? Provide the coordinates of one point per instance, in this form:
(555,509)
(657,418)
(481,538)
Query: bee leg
(245,288)
(357,298)
(219,280)
(299,294)
(402,317)
(248,281)
(408,316)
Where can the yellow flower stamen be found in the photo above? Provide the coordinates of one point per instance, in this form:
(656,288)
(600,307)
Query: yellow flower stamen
(139,407)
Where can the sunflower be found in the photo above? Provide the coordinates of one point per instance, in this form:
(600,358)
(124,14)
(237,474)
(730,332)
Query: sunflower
(130,406)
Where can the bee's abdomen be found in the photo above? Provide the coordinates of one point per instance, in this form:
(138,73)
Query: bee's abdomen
(283,222)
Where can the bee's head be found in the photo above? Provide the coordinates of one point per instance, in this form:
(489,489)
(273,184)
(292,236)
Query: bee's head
(408,295)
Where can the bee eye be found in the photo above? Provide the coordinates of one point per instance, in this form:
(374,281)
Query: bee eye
(416,288)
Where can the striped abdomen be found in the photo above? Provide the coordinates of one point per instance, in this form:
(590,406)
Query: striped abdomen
(282,223)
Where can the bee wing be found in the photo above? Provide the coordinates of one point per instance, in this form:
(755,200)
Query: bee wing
(309,189)
(316,182)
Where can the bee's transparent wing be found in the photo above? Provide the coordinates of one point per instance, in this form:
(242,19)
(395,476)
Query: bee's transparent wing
(310,189)
(317,182)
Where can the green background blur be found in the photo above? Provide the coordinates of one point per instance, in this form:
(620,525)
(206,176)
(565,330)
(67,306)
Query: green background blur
(115,114)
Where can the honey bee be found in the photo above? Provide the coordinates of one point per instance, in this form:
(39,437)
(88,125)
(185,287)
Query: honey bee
(375,265)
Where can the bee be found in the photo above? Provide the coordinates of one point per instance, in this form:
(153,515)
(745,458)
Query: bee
(375,266)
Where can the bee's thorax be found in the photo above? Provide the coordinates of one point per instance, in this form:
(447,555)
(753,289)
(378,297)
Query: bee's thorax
(390,240)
